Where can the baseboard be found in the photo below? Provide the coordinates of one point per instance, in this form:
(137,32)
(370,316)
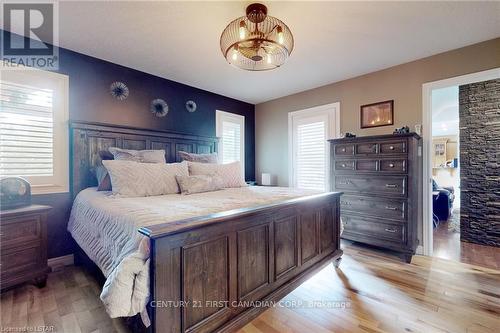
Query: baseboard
(67,260)
(420,250)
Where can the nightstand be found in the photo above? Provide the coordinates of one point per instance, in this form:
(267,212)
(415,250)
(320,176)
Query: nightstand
(23,246)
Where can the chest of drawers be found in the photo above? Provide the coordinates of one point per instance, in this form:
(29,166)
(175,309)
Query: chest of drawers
(382,183)
(23,246)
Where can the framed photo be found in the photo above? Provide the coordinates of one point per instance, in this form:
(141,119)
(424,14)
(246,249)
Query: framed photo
(377,114)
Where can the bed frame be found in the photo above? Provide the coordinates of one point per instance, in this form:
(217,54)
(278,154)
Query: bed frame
(220,271)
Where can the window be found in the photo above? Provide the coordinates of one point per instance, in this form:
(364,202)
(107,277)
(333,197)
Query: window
(309,131)
(230,128)
(34,128)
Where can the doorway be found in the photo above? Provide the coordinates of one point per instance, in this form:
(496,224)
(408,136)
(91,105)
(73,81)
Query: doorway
(445,154)
(440,161)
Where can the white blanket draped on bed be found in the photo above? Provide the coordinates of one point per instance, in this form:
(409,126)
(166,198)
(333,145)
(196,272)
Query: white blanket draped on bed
(105,227)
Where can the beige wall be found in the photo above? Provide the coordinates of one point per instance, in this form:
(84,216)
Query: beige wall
(402,83)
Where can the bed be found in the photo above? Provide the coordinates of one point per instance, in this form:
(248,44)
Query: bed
(205,262)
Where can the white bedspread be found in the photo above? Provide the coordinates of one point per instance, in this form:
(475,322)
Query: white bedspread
(105,227)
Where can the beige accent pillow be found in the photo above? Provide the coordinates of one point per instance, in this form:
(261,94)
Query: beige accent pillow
(134,179)
(199,184)
(200,158)
(143,156)
(230,173)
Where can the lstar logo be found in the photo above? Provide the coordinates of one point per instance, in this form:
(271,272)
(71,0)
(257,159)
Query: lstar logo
(29,35)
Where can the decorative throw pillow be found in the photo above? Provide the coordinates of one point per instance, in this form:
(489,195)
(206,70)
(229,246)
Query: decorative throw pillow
(103,179)
(230,173)
(142,156)
(198,184)
(200,158)
(134,179)
(105,155)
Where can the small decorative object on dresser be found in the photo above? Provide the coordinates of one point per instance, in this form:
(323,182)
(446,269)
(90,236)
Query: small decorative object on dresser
(14,192)
(381,177)
(377,114)
(24,245)
(347,135)
(401,130)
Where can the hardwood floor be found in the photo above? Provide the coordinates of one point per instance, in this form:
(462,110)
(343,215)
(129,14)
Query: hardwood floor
(447,245)
(369,293)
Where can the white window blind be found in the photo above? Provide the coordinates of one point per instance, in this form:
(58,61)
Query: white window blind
(231,141)
(311,156)
(308,134)
(34,128)
(230,128)
(26,130)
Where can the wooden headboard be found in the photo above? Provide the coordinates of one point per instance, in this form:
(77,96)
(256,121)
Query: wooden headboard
(87,139)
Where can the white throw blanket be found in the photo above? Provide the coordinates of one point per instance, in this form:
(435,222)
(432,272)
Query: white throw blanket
(105,227)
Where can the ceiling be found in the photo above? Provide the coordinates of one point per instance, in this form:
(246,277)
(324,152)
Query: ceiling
(333,40)
(445,111)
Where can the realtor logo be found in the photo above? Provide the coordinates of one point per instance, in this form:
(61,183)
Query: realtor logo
(29,35)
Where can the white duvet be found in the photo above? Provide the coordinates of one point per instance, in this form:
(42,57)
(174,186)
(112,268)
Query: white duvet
(105,227)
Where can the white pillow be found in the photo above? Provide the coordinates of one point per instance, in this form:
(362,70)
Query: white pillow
(230,173)
(143,156)
(134,179)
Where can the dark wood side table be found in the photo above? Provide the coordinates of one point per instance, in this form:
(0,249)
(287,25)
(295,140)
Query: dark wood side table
(24,246)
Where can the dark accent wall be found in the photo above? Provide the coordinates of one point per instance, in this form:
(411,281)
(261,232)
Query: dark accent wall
(90,100)
(479,111)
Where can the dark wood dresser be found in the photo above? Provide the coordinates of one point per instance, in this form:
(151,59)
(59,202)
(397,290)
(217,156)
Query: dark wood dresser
(23,246)
(382,183)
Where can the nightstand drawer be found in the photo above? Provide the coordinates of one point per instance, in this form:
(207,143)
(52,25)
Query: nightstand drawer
(22,259)
(20,230)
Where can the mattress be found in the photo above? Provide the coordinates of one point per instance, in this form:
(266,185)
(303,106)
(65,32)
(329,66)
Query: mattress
(105,227)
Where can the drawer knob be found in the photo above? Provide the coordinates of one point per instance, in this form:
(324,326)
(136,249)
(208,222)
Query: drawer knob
(343,165)
(345,183)
(343,150)
(391,147)
(393,230)
(391,208)
(391,185)
(391,165)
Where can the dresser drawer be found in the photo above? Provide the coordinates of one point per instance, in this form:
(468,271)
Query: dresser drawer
(393,165)
(376,207)
(20,230)
(368,148)
(358,227)
(386,185)
(21,260)
(344,150)
(345,165)
(367,165)
(393,147)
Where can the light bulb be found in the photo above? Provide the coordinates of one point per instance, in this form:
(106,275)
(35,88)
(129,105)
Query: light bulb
(235,55)
(242,30)
(269,59)
(281,38)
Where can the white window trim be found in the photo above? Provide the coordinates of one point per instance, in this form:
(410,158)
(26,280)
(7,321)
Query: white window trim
(426,248)
(221,116)
(332,111)
(61,136)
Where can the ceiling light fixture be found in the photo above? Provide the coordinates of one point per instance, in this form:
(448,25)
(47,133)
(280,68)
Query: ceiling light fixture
(256,42)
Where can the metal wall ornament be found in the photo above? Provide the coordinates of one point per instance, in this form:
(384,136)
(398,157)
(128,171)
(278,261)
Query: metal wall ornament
(119,90)
(191,106)
(159,107)
(256,41)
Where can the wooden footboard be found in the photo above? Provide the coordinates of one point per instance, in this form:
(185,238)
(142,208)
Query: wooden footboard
(218,272)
